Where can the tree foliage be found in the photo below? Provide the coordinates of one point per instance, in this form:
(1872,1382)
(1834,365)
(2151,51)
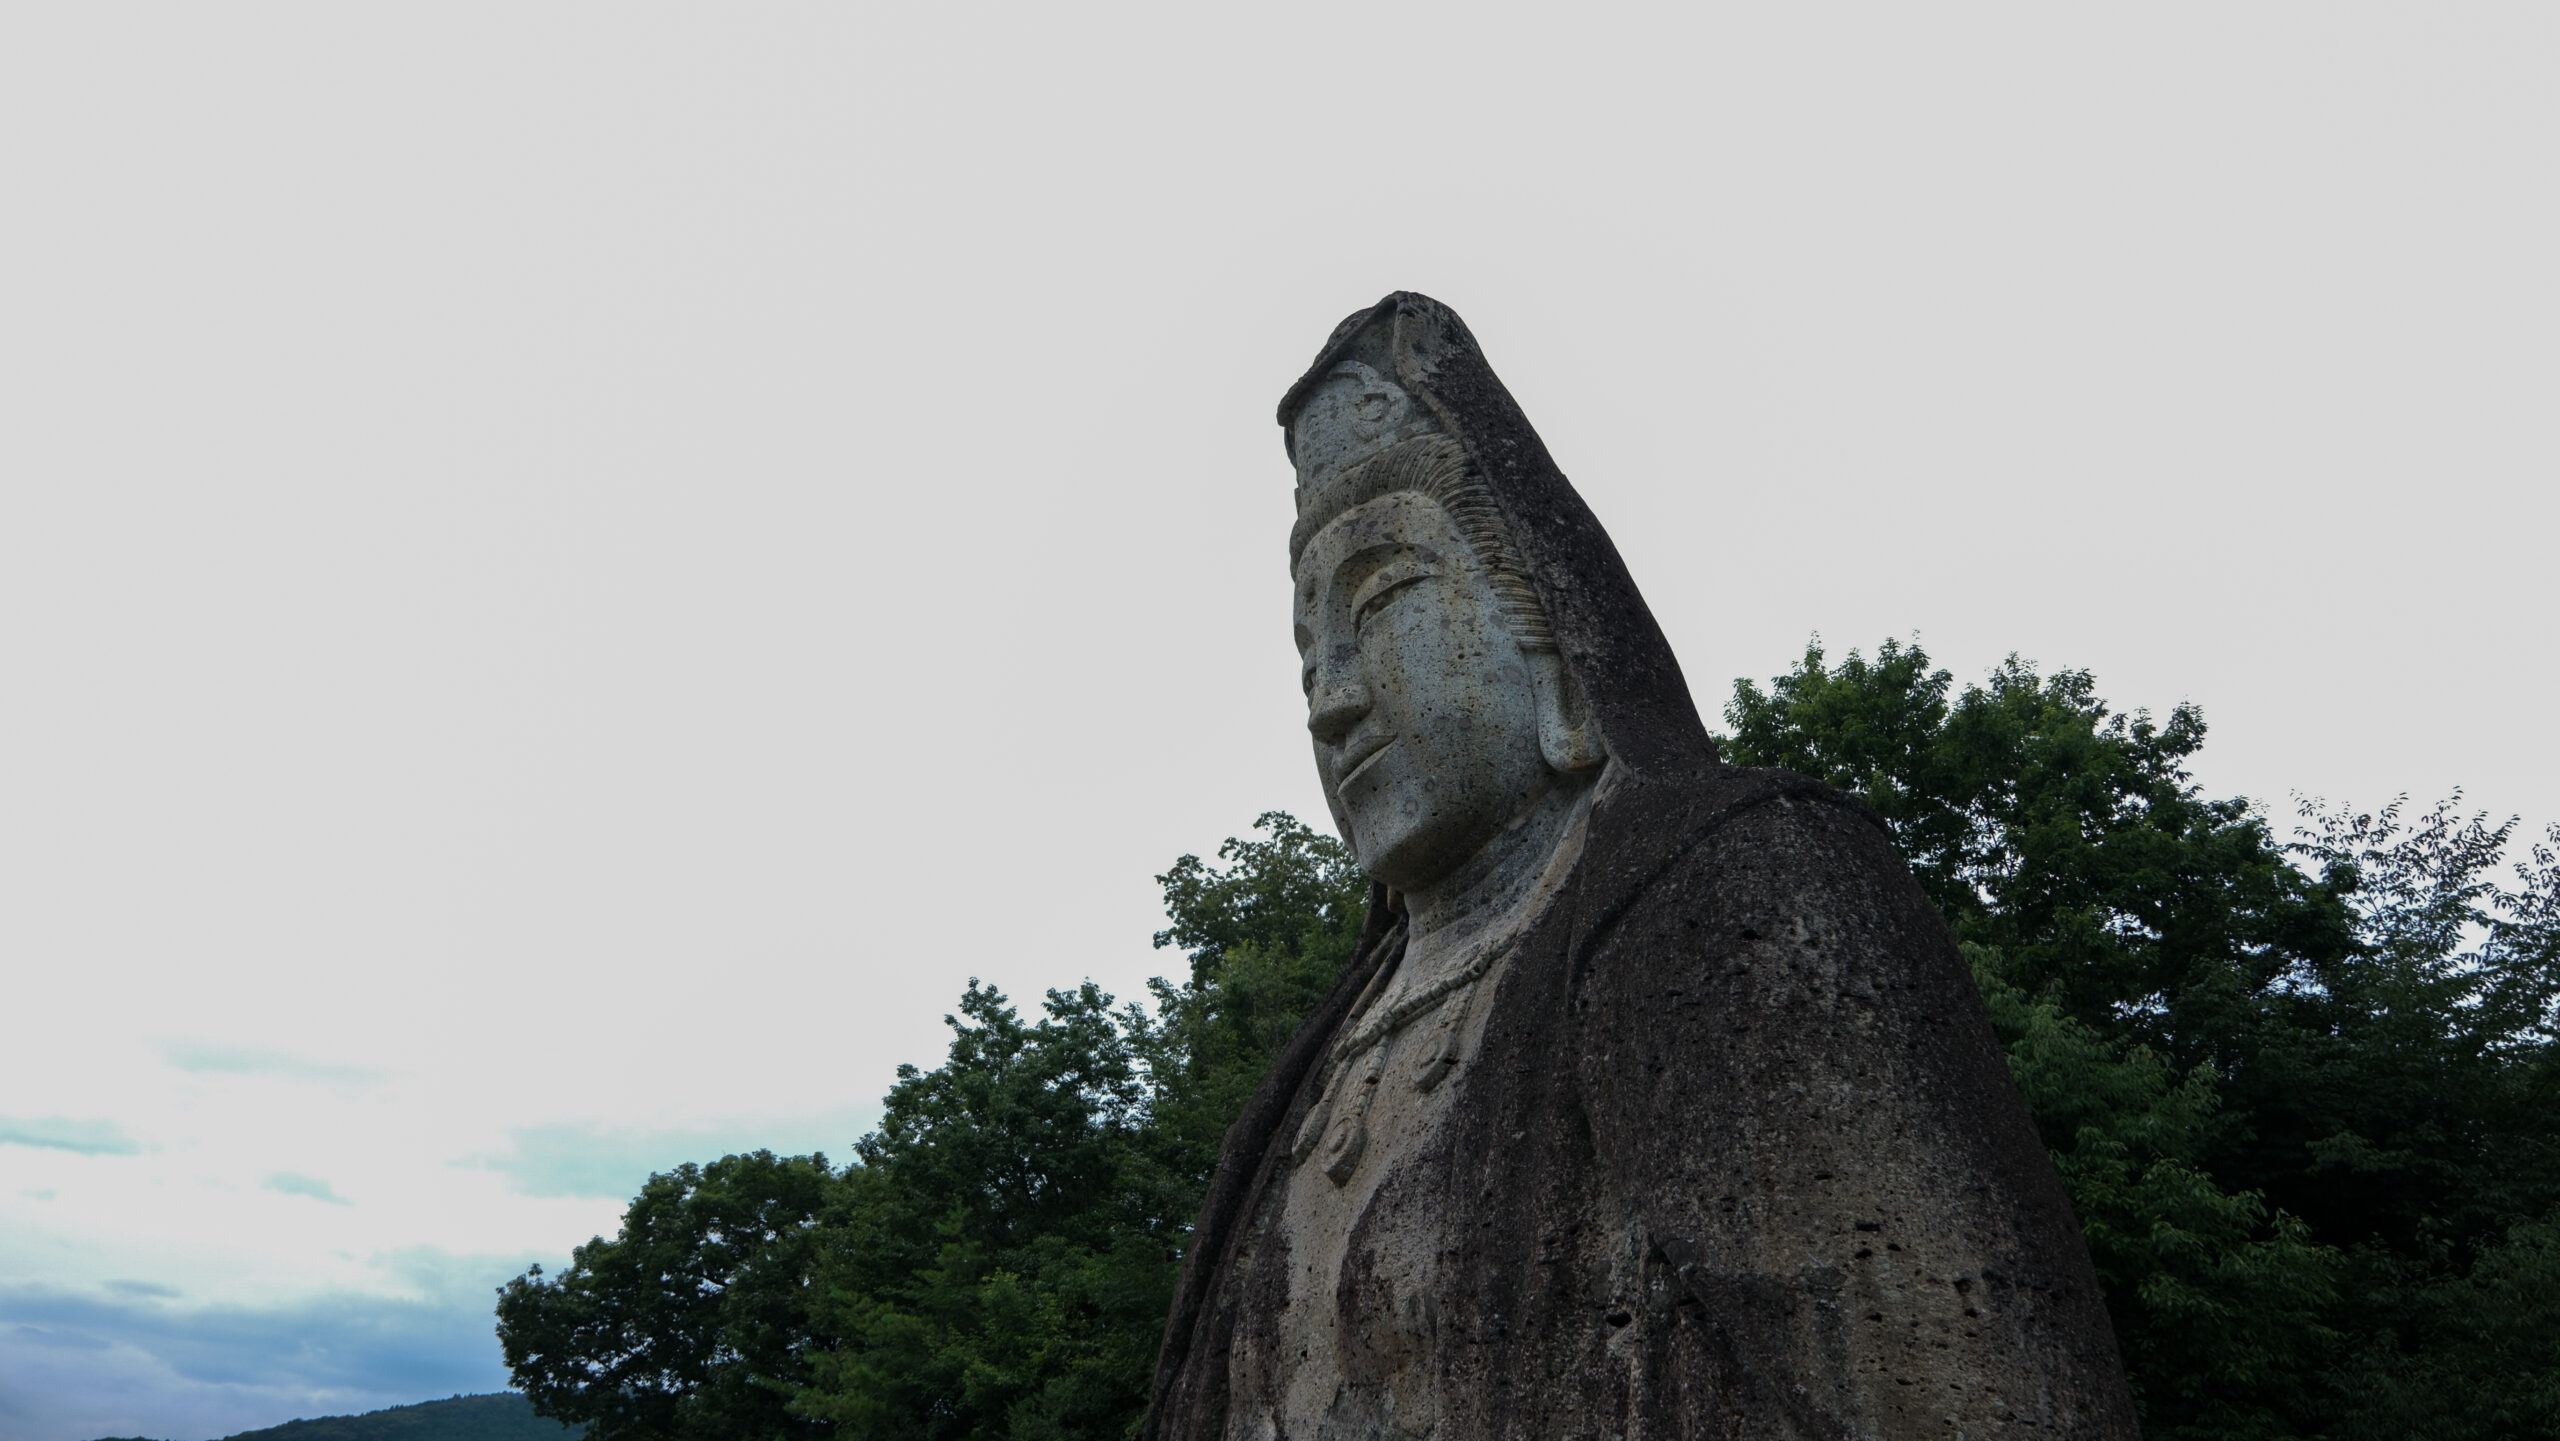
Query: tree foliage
(2303,1091)
(2300,1091)
(1266,935)
(691,1323)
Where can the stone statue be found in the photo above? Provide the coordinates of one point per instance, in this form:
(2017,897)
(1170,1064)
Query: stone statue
(1656,1102)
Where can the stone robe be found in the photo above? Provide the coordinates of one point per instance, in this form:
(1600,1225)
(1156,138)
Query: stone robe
(1732,1155)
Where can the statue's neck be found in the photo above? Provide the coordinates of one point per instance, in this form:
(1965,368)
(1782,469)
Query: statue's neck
(1493,882)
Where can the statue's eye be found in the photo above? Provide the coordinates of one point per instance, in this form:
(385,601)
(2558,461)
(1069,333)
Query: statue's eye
(1389,582)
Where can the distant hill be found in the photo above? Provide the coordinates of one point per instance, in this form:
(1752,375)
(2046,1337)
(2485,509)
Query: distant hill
(503,1417)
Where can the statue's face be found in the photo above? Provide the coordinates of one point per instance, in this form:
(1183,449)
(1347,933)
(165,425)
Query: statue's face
(1422,706)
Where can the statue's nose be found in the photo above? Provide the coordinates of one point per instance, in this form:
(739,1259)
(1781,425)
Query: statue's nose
(1335,706)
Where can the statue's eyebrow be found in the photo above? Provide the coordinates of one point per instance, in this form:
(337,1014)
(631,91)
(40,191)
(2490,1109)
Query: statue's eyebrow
(1359,565)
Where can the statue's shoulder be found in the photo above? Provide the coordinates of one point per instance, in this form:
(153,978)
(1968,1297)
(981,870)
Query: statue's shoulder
(1668,831)
(1651,818)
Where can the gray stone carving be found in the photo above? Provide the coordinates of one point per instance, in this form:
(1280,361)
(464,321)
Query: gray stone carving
(1656,1102)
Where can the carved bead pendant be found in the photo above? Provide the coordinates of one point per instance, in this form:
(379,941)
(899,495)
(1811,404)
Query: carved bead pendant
(1437,1060)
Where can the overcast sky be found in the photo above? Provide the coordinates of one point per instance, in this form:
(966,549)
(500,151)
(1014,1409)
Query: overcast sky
(569,573)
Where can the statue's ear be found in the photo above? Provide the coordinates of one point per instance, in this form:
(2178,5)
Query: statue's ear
(1566,735)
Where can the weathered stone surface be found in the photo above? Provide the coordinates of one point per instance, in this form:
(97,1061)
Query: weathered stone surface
(1657,1102)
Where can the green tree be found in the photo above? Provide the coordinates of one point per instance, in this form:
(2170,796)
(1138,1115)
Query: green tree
(1266,936)
(2415,1102)
(2219,1303)
(2467,1350)
(692,1323)
(2068,837)
(2299,1091)
(999,1263)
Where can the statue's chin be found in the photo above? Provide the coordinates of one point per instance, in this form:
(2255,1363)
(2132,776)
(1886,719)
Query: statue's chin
(1418,815)
(1415,854)
(1405,856)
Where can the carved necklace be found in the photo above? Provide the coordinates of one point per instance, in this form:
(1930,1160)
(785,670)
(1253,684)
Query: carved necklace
(1339,1124)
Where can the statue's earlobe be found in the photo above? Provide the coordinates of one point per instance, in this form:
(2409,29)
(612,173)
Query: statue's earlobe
(1567,738)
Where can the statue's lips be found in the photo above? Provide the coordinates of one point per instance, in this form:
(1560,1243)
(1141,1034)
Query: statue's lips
(1360,759)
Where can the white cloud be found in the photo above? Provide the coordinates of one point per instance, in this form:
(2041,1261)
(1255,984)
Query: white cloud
(151,1290)
(215,1058)
(576,1158)
(90,1137)
(294,1183)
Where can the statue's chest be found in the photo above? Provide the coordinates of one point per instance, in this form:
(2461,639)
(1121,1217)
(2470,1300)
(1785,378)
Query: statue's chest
(1364,1230)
